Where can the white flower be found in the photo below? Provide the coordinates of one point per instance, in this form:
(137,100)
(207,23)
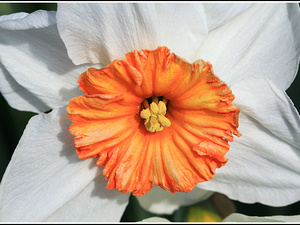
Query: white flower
(253,48)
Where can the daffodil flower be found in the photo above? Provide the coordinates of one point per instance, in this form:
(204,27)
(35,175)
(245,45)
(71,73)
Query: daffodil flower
(253,53)
(175,148)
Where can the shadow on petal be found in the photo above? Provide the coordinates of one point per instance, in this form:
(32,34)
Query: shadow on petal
(102,192)
(45,47)
(22,93)
(69,152)
(68,94)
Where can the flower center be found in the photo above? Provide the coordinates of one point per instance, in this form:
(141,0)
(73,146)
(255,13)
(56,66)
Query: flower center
(116,121)
(154,115)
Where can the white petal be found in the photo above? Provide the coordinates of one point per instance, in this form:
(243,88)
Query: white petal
(261,99)
(219,13)
(155,219)
(38,62)
(13,16)
(17,96)
(94,203)
(24,21)
(237,217)
(164,202)
(261,41)
(45,178)
(104,32)
(264,163)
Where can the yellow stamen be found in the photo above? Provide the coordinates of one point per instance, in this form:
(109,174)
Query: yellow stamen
(145,113)
(155,117)
(162,109)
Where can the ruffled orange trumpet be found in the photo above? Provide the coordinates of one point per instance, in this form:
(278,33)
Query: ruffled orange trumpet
(154,119)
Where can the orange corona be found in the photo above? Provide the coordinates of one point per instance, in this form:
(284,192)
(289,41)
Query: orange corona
(154,119)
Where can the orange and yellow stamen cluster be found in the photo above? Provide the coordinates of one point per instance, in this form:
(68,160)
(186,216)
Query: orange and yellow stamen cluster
(155,115)
(154,119)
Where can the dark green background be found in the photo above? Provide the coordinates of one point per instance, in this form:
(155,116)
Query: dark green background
(13,122)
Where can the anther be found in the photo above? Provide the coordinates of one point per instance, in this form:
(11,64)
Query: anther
(154,114)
